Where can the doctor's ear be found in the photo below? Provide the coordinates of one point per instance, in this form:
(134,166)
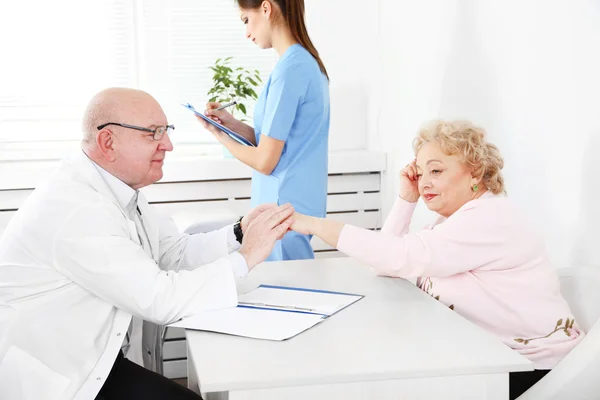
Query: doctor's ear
(105,143)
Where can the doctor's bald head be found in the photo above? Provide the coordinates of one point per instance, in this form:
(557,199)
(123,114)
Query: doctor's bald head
(125,131)
(117,105)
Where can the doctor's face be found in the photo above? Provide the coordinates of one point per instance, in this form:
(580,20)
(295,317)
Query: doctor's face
(139,158)
(258,26)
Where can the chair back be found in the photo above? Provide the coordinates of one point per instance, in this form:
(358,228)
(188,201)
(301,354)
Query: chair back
(576,377)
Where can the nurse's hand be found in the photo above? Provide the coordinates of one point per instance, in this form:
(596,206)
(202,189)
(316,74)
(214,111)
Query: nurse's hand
(262,233)
(302,224)
(223,117)
(219,135)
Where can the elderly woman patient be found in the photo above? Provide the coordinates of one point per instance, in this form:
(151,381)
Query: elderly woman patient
(480,257)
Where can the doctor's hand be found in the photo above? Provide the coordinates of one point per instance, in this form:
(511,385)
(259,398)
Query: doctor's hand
(255,212)
(409,183)
(223,117)
(262,233)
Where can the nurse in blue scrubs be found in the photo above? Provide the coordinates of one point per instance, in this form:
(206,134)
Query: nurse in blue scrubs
(291,120)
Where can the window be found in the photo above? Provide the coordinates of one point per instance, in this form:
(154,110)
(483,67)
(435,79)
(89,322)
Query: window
(67,50)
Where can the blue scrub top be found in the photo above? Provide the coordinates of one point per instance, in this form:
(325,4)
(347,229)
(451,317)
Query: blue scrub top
(294,107)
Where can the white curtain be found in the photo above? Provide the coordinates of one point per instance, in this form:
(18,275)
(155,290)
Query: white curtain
(527,71)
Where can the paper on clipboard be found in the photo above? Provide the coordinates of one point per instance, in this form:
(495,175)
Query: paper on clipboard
(235,136)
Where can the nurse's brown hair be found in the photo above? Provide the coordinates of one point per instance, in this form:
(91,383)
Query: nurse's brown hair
(293,15)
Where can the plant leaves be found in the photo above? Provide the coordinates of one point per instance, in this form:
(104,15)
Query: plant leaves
(519,340)
(559,323)
(233,82)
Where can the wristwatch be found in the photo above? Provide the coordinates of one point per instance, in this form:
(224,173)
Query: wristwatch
(237,230)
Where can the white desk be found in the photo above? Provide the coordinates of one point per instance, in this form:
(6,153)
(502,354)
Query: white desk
(396,343)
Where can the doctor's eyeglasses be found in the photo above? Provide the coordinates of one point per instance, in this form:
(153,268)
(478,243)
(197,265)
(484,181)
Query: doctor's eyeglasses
(158,131)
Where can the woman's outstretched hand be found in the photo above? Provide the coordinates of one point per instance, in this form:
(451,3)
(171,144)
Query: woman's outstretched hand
(301,223)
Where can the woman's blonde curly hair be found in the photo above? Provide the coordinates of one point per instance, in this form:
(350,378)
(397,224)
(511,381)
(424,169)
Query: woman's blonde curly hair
(468,141)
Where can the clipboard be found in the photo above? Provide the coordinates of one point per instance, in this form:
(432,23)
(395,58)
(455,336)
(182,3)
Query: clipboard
(235,136)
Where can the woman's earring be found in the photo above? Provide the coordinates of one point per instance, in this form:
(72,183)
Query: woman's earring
(475,187)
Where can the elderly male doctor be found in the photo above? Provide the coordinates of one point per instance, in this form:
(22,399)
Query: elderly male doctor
(86,252)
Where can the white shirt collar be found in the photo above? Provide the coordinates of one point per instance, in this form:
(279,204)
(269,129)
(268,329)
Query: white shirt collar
(125,194)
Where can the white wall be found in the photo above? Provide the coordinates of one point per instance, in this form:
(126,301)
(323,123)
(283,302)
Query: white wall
(407,81)
(528,71)
(344,32)
(345,48)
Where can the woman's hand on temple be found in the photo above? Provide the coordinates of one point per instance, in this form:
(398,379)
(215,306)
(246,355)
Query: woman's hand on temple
(409,183)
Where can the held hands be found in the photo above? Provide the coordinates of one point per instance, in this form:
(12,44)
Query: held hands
(302,224)
(409,183)
(255,212)
(262,231)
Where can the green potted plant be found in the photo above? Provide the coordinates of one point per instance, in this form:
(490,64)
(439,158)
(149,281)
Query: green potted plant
(231,84)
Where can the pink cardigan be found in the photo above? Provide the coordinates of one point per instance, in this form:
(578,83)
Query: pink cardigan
(485,263)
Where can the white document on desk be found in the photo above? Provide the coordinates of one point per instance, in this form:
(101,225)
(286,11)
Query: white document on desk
(272,312)
(251,322)
(320,302)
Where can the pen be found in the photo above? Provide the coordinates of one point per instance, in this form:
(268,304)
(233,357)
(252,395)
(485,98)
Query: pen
(226,105)
(276,306)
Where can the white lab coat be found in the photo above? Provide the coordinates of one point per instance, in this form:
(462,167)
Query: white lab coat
(73,269)
(7,318)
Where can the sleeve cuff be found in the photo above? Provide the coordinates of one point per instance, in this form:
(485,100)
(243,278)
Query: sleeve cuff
(345,240)
(238,265)
(401,203)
